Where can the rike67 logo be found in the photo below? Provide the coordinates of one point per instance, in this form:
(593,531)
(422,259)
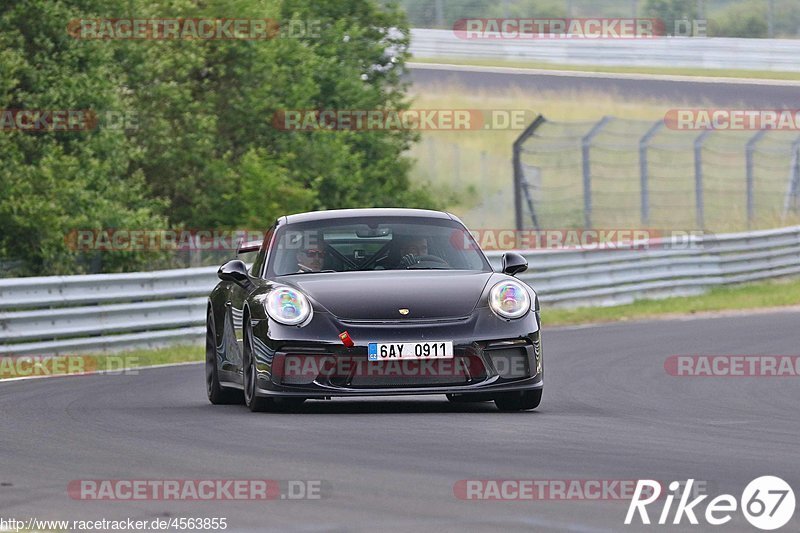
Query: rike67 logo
(767,502)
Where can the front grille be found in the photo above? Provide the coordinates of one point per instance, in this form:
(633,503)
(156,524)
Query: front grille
(304,369)
(412,373)
(357,372)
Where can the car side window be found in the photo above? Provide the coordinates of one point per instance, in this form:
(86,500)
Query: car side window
(261,258)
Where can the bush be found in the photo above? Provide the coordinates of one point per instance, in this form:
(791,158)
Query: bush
(204,152)
(747,19)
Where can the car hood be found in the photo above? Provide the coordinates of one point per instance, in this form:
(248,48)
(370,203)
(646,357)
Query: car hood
(379,295)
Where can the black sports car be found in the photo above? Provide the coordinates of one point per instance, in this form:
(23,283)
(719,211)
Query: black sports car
(364,302)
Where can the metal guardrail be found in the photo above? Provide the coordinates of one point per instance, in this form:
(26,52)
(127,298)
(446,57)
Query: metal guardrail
(69,314)
(618,276)
(106,312)
(688,52)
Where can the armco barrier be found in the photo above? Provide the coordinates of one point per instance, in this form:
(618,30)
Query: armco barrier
(107,312)
(685,52)
(103,312)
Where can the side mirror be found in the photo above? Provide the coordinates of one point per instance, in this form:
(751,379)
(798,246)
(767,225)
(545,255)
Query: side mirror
(235,271)
(514,263)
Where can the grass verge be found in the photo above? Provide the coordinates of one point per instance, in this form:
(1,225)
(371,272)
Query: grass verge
(665,71)
(32,365)
(183,353)
(772,294)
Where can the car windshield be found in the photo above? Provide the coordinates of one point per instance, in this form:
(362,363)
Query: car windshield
(373,243)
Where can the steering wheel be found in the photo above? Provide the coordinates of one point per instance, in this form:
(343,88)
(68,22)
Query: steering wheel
(431,259)
(427,258)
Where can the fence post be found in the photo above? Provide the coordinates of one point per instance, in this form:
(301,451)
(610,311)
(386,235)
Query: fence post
(643,170)
(793,189)
(195,259)
(586,145)
(748,155)
(517,163)
(457,166)
(698,178)
(770,19)
(796,182)
(438,11)
(484,168)
(526,188)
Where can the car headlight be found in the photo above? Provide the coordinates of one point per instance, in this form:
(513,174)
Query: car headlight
(288,306)
(509,299)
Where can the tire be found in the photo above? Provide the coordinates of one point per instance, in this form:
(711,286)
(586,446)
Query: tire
(255,403)
(519,401)
(467,398)
(217,394)
(259,404)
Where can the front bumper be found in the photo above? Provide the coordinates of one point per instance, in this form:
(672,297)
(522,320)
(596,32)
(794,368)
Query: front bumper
(491,356)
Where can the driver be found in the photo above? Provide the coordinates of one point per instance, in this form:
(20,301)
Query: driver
(412,250)
(311,256)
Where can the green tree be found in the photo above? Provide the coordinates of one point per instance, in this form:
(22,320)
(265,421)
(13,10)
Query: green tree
(55,182)
(209,110)
(671,11)
(205,152)
(747,19)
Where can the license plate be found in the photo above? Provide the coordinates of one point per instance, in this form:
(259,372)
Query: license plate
(410,350)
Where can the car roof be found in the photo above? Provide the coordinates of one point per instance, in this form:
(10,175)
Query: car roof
(371,212)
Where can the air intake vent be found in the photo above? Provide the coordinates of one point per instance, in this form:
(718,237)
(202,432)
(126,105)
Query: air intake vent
(510,363)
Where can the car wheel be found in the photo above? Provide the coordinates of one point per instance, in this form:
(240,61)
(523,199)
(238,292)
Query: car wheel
(217,394)
(467,398)
(250,375)
(519,401)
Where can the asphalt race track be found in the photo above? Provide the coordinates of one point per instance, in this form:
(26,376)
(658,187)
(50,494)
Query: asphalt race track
(760,94)
(610,411)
